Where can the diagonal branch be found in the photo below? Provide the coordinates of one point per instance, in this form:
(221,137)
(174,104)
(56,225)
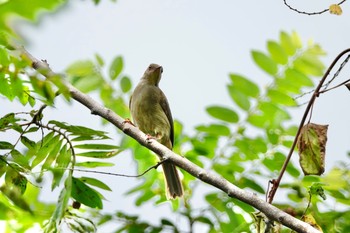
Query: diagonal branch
(213,179)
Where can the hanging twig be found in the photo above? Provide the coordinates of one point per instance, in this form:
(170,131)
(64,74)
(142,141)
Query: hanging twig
(275,183)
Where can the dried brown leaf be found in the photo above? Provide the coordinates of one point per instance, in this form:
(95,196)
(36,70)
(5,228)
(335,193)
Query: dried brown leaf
(312,148)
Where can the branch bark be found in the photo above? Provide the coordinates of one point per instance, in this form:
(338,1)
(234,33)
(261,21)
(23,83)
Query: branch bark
(210,178)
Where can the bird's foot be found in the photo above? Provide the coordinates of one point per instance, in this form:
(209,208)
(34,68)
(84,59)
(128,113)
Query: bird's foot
(149,137)
(128,121)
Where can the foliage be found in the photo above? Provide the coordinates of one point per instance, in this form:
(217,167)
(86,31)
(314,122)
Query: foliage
(245,143)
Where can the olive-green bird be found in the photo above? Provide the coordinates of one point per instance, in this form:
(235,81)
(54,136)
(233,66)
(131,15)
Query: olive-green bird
(151,113)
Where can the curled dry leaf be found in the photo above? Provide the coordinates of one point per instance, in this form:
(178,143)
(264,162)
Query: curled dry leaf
(312,148)
(335,9)
(311,220)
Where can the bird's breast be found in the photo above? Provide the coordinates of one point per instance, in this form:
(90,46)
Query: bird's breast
(147,112)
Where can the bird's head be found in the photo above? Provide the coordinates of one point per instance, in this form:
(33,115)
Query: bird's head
(153,74)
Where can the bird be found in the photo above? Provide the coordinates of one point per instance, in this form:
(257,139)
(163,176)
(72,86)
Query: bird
(151,113)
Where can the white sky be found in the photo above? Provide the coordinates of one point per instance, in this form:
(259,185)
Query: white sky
(198,43)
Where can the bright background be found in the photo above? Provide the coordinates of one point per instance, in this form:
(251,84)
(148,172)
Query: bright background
(198,43)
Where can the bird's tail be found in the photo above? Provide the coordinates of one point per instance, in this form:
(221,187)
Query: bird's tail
(173,182)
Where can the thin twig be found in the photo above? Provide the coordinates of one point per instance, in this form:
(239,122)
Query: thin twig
(339,85)
(111,173)
(309,13)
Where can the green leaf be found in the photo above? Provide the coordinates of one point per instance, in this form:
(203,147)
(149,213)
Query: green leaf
(20,159)
(214,129)
(5,145)
(293,171)
(274,163)
(7,120)
(43,88)
(3,167)
(167,222)
(99,60)
(309,64)
(5,88)
(16,85)
(15,180)
(277,52)
(273,114)
(296,40)
(244,85)
(96,146)
(24,97)
(248,183)
(244,206)
(61,206)
(273,136)
(144,197)
(81,68)
(214,200)
(52,155)
(85,76)
(62,161)
(99,154)
(116,67)
(27,10)
(205,145)
(336,179)
(223,113)
(125,84)
(298,78)
(238,97)
(93,164)
(4,57)
(287,43)
(251,147)
(257,120)
(85,195)
(264,62)
(59,81)
(16,197)
(95,182)
(205,220)
(280,98)
(48,144)
(80,130)
(287,86)
(31,101)
(317,189)
(88,83)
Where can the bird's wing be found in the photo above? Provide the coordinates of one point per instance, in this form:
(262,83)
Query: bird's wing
(165,106)
(130,102)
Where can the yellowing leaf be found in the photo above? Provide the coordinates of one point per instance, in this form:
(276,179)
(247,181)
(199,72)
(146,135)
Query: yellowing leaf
(312,147)
(335,9)
(311,220)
